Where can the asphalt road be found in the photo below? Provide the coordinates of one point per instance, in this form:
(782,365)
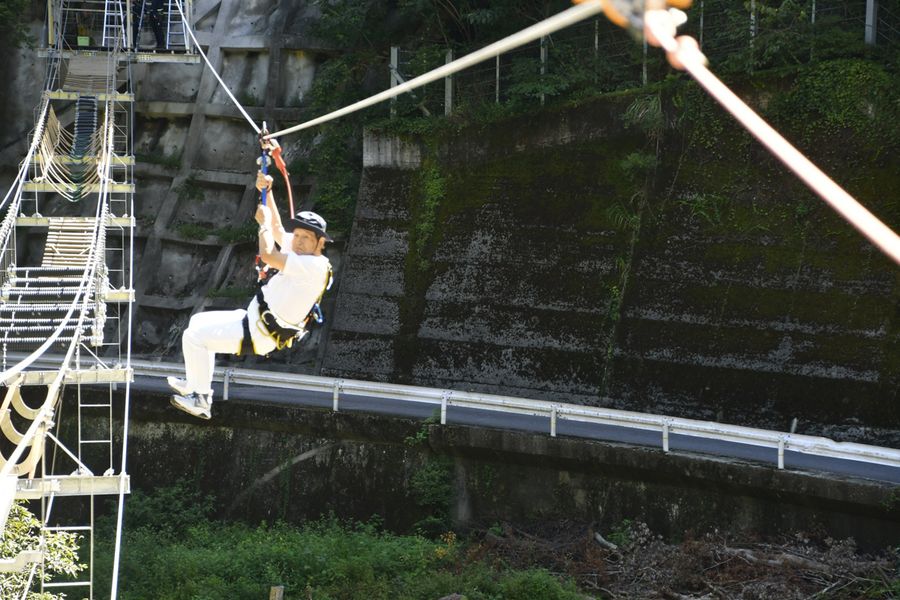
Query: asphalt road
(503,420)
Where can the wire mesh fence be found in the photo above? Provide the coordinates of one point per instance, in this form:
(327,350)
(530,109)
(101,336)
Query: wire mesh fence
(596,56)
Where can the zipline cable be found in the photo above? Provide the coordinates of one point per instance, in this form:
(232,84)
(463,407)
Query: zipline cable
(547,26)
(190,31)
(684,53)
(662,26)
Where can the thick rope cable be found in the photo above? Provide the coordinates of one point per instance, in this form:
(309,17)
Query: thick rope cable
(213,69)
(85,291)
(23,168)
(85,286)
(564,19)
(687,55)
(55,148)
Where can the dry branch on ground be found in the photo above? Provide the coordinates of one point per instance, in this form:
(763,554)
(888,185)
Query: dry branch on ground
(631,563)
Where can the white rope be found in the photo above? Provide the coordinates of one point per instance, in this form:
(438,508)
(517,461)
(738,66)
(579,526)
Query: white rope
(187,27)
(564,19)
(685,51)
(23,169)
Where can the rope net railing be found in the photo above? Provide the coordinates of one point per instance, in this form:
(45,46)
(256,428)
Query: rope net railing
(58,303)
(67,160)
(57,299)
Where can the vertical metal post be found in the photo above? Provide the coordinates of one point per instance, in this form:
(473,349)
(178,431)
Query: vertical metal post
(553,421)
(497,80)
(50,24)
(644,64)
(336,394)
(665,436)
(543,63)
(448,86)
(752,30)
(444,398)
(812,13)
(395,65)
(188,6)
(871,22)
(225,384)
(129,24)
(781,453)
(596,38)
(701,24)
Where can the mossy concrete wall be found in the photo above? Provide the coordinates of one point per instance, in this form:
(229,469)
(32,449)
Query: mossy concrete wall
(541,257)
(263,462)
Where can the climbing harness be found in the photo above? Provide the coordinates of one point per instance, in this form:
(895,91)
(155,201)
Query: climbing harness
(269,326)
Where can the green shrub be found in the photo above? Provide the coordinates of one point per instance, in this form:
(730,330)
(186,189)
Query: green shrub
(192,231)
(172,551)
(22,533)
(189,190)
(236,234)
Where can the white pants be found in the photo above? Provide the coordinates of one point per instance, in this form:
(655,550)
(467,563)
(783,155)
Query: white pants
(218,332)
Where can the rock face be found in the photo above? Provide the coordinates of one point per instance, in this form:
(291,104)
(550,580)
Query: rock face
(731,294)
(196,163)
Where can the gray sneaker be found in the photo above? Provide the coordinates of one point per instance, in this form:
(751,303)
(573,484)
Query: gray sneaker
(194,404)
(179,385)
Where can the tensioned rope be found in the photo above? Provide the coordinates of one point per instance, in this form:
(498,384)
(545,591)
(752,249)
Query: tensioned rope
(568,17)
(215,73)
(23,169)
(684,53)
(842,202)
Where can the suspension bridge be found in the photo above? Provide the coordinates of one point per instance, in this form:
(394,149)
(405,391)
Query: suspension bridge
(71,299)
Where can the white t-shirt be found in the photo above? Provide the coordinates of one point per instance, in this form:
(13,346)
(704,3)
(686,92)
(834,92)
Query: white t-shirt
(292,291)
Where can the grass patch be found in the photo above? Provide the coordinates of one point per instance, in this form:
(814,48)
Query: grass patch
(192,231)
(173,550)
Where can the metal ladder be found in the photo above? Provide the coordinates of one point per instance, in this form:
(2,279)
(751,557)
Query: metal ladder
(113,23)
(176,30)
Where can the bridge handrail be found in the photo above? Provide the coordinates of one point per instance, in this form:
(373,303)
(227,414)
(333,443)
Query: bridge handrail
(778,441)
(665,425)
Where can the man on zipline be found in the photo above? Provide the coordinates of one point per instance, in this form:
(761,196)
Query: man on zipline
(276,316)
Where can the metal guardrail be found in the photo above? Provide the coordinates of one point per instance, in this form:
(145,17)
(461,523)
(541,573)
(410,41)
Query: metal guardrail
(554,411)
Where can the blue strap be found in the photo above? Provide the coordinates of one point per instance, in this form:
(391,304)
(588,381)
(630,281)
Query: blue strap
(264,160)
